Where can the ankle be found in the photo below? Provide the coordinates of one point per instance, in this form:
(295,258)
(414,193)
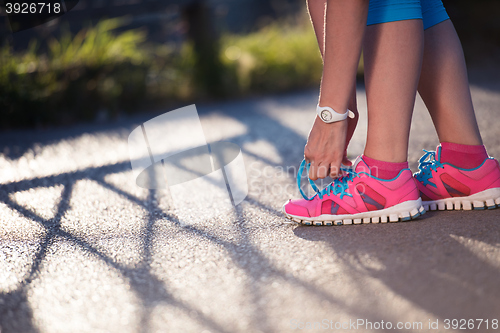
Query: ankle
(462,156)
(384,170)
(397,153)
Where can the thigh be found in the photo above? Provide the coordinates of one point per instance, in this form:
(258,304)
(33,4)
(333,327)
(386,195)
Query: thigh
(383,11)
(433,12)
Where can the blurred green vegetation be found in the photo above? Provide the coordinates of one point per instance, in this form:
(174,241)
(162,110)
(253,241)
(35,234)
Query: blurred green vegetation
(77,77)
(273,59)
(100,73)
(103,71)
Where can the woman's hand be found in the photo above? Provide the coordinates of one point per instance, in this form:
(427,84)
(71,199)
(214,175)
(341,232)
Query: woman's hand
(326,146)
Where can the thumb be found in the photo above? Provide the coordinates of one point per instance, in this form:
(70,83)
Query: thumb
(345,160)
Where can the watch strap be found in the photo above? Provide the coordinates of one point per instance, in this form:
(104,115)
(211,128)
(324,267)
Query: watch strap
(329,115)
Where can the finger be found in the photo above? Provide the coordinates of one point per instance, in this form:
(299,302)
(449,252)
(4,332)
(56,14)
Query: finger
(345,160)
(313,171)
(334,170)
(307,154)
(323,170)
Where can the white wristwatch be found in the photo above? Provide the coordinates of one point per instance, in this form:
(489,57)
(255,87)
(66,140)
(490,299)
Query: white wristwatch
(328,115)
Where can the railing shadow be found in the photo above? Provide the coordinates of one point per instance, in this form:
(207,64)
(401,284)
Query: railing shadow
(17,316)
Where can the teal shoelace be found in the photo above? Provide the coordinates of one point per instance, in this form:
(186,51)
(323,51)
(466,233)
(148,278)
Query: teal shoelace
(338,186)
(426,164)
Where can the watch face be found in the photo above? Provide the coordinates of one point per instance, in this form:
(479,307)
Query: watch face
(326,115)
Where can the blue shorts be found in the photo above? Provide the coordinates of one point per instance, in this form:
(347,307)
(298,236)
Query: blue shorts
(431,12)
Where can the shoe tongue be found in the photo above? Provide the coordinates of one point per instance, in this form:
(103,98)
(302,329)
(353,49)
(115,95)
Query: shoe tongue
(360,166)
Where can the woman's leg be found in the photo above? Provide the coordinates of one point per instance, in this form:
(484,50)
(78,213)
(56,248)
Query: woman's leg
(444,86)
(460,175)
(392,58)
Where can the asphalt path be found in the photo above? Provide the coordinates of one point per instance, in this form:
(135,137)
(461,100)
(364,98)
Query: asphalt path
(84,249)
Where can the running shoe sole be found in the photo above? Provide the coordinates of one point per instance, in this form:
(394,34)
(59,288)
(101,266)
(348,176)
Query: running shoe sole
(487,199)
(401,212)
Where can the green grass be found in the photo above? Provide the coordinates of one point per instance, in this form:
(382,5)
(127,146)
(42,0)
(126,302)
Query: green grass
(101,70)
(276,58)
(77,77)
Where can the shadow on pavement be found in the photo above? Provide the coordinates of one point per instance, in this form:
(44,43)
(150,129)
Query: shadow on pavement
(424,262)
(15,312)
(428,261)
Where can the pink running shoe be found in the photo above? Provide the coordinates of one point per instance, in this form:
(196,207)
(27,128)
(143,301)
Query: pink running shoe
(445,186)
(357,197)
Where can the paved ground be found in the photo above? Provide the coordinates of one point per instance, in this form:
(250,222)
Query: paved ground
(82,249)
